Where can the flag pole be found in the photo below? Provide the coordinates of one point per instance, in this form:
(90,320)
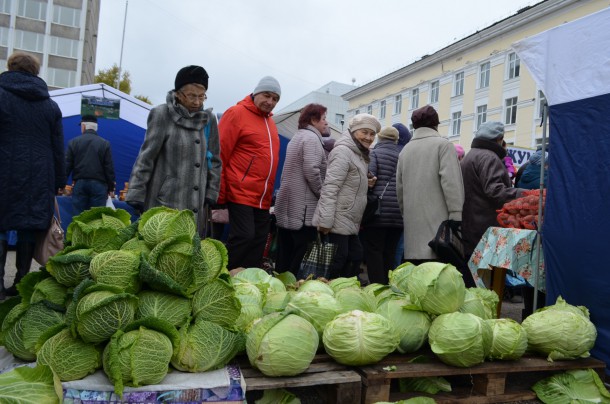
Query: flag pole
(118,79)
(545,115)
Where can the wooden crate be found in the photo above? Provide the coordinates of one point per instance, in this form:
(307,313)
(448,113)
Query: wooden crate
(336,383)
(489,382)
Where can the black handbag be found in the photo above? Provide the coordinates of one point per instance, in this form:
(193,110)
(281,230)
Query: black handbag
(373,205)
(448,244)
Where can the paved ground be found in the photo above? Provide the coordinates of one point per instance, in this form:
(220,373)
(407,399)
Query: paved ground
(10,270)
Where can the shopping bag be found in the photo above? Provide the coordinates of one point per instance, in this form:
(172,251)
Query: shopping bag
(447,244)
(317,259)
(49,242)
(109,203)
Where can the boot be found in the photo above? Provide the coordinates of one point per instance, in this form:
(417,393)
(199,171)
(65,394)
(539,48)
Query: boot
(3,252)
(23,261)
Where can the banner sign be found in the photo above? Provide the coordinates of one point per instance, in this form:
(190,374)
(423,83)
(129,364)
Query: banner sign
(520,155)
(100,107)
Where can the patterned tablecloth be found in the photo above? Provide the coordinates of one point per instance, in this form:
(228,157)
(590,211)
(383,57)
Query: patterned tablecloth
(511,249)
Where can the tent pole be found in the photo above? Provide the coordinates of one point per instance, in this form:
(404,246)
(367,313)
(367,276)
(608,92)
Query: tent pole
(545,115)
(118,79)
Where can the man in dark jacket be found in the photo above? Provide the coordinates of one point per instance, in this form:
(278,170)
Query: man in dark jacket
(31,159)
(89,159)
(487,185)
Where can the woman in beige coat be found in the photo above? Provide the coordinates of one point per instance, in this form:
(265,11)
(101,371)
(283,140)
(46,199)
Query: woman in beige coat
(343,197)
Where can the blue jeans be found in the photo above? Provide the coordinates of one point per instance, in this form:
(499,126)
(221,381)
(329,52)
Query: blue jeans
(87,194)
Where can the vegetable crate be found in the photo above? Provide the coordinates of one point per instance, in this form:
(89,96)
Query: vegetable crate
(489,382)
(336,383)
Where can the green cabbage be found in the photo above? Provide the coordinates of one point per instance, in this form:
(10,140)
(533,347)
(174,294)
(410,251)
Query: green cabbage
(161,223)
(351,298)
(117,268)
(314,285)
(217,302)
(137,245)
(50,290)
(280,344)
(481,302)
(359,338)
(70,357)
(573,386)
(430,384)
(560,331)
(30,385)
(252,300)
(437,288)
(101,229)
(398,277)
(173,257)
(276,301)
(287,278)
(278,396)
(409,322)
(71,265)
(509,339)
(460,339)
(341,283)
(206,346)
(210,259)
(316,307)
(176,310)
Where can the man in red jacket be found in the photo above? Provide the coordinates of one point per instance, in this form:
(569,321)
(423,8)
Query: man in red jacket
(249,150)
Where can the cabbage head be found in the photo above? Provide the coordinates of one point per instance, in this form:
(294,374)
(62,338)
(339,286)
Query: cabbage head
(25,324)
(218,303)
(100,228)
(509,339)
(252,300)
(352,298)
(437,288)
(408,320)
(255,276)
(117,268)
(287,278)
(205,346)
(277,301)
(460,339)
(161,223)
(176,310)
(103,311)
(210,259)
(560,331)
(281,344)
(172,257)
(141,354)
(341,283)
(481,302)
(572,386)
(317,308)
(71,265)
(278,396)
(70,357)
(136,245)
(314,285)
(398,277)
(30,385)
(358,338)
(50,290)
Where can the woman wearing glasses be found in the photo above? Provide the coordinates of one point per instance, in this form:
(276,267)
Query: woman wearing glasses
(179,162)
(343,197)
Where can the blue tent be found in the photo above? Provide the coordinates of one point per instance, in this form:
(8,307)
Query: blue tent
(125,134)
(571,64)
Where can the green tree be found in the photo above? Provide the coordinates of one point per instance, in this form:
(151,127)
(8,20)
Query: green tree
(143,98)
(109,76)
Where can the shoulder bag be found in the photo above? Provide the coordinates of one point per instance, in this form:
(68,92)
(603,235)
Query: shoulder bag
(51,241)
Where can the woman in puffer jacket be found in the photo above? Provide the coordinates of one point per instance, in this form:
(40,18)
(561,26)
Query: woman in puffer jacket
(380,235)
(343,197)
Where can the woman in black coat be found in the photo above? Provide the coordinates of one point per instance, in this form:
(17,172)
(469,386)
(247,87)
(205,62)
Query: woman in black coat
(31,159)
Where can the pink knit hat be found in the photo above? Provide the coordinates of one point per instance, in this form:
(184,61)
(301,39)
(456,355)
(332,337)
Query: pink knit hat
(460,150)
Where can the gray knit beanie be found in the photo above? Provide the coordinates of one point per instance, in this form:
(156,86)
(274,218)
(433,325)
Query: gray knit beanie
(389,132)
(268,83)
(490,131)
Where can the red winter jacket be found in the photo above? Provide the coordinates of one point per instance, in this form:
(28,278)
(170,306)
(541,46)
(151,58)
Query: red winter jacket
(249,149)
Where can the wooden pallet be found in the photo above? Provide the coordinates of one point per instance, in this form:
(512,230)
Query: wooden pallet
(336,383)
(489,382)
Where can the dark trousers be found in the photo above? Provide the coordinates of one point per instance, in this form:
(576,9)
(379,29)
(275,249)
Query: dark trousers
(248,232)
(291,247)
(380,251)
(88,194)
(348,256)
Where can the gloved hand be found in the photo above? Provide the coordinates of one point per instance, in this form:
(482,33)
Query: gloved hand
(137,206)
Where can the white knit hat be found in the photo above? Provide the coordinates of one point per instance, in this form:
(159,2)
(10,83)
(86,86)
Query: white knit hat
(268,83)
(389,132)
(364,121)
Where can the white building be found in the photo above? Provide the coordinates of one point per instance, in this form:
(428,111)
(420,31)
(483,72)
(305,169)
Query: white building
(61,33)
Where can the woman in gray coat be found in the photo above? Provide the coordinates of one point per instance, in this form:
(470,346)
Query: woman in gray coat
(302,179)
(343,197)
(179,162)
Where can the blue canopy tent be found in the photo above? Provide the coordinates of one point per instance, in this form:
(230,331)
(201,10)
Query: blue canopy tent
(571,64)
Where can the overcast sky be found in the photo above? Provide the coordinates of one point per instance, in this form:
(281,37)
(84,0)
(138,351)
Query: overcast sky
(303,43)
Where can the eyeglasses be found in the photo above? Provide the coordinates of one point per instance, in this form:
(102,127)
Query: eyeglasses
(194,97)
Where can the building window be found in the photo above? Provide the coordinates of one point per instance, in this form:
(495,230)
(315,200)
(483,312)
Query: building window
(369,110)
(458,87)
(357,112)
(66,16)
(32,9)
(30,41)
(398,104)
(415,98)
(5,6)
(339,119)
(434,90)
(3,36)
(481,115)
(382,110)
(541,103)
(514,65)
(485,69)
(456,123)
(64,47)
(510,117)
(61,77)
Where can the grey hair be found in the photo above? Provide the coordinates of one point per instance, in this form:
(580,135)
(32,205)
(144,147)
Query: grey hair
(90,125)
